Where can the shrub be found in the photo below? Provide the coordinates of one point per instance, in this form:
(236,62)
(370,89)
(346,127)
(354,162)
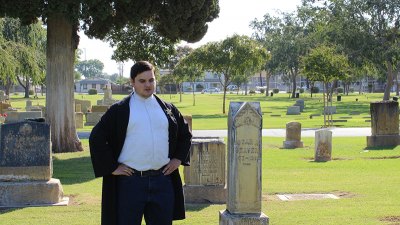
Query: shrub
(301,90)
(92,91)
(275,90)
(351,90)
(31,92)
(314,90)
(339,90)
(262,90)
(252,92)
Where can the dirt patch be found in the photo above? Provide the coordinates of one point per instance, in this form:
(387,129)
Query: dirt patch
(269,198)
(393,220)
(342,194)
(311,159)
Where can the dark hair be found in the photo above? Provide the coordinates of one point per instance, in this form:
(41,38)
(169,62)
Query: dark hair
(140,67)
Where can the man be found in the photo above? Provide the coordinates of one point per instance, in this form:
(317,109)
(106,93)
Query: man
(137,147)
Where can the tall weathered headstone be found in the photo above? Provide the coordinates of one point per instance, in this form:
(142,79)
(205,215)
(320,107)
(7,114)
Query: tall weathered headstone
(244,166)
(107,99)
(205,177)
(26,166)
(293,135)
(323,145)
(384,124)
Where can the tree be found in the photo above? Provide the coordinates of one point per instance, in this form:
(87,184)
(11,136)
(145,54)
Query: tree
(234,56)
(325,65)
(173,19)
(152,46)
(285,37)
(374,33)
(90,68)
(187,70)
(27,45)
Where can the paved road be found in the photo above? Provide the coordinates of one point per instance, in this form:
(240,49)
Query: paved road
(306,132)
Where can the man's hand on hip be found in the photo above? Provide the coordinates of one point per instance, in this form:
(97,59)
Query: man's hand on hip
(171,166)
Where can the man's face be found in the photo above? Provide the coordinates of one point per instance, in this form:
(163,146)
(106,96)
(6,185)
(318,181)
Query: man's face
(144,83)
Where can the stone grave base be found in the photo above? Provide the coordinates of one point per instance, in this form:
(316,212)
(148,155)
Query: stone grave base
(226,218)
(383,140)
(293,144)
(31,193)
(215,194)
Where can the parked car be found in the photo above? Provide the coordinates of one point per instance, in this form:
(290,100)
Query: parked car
(210,90)
(232,87)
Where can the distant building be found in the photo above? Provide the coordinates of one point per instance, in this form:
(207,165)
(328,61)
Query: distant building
(83,86)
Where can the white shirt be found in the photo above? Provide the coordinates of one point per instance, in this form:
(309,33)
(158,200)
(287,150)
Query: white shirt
(146,141)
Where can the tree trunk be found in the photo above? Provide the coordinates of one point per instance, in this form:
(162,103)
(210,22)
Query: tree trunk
(194,99)
(293,76)
(61,46)
(267,77)
(25,86)
(389,81)
(397,84)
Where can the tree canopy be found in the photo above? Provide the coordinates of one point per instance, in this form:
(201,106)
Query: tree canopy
(234,56)
(173,19)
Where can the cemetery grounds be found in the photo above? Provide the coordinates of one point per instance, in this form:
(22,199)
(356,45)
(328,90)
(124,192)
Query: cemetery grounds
(366,181)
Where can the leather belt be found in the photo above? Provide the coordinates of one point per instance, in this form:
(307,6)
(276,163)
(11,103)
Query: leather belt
(148,173)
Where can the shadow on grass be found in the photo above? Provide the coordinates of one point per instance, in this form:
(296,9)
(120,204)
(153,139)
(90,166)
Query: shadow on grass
(191,207)
(8,210)
(380,148)
(74,170)
(209,116)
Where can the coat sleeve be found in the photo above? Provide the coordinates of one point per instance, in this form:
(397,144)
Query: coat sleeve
(101,139)
(184,138)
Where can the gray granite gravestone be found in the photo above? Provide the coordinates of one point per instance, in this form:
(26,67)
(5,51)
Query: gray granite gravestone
(26,166)
(244,166)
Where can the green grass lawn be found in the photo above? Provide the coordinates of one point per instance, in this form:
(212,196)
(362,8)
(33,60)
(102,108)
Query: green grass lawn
(207,111)
(367,181)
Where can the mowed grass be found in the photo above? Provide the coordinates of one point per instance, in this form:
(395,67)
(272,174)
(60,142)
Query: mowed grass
(207,112)
(367,182)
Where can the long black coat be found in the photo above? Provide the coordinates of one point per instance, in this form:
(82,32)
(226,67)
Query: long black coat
(107,139)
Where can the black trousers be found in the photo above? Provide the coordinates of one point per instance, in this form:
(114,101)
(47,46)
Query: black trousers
(149,196)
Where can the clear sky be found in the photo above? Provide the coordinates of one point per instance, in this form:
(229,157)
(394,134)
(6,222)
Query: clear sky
(234,17)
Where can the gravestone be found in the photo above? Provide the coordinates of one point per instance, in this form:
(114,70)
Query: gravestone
(107,99)
(328,110)
(100,108)
(15,116)
(300,102)
(384,124)
(78,120)
(78,108)
(205,177)
(93,117)
(244,166)
(26,166)
(4,107)
(86,105)
(28,105)
(293,110)
(293,136)
(323,145)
